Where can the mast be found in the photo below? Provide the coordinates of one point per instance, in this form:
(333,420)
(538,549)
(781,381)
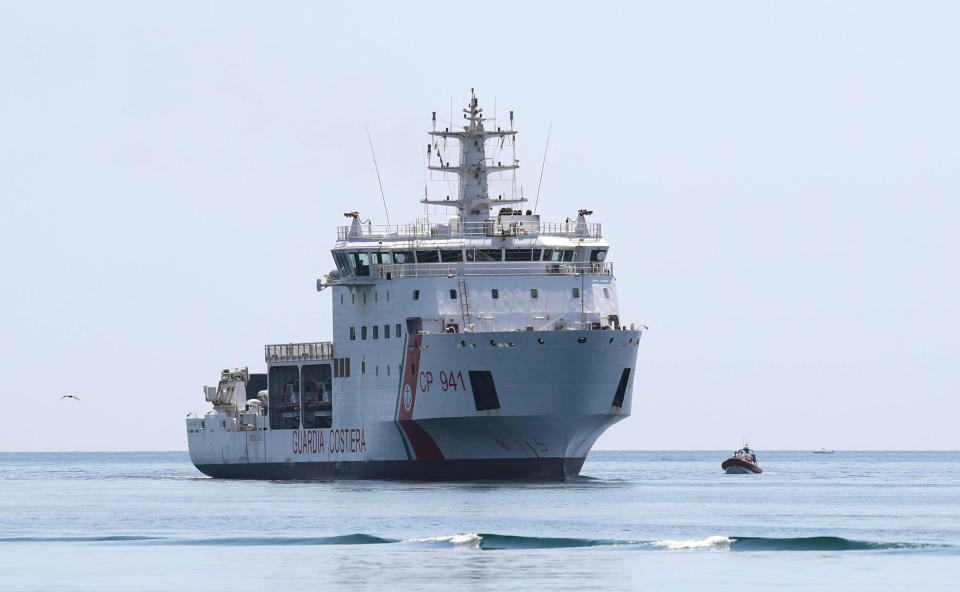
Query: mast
(473,202)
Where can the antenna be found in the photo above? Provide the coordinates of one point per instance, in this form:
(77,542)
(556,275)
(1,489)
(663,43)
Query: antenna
(542,166)
(376,168)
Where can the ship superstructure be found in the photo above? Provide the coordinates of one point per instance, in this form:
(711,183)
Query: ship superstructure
(488,346)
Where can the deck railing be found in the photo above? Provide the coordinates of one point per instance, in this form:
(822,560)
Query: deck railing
(494,268)
(295,352)
(490,228)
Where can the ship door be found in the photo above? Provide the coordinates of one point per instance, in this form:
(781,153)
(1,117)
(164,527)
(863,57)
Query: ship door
(414,325)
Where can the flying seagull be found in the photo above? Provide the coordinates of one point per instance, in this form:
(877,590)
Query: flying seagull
(70,397)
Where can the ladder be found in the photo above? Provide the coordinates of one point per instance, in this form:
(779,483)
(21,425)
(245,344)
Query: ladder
(464,303)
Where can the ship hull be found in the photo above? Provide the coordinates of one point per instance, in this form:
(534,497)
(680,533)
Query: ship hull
(522,405)
(533,469)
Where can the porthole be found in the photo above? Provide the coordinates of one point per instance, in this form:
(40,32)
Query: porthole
(540,341)
(493,342)
(463,344)
(611,340)
(581,339)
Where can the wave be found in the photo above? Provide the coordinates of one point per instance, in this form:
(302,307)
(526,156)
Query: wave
(820,543)
(497,542)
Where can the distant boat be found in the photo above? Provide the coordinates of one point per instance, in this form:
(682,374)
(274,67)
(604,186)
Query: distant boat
(742,461)
(822,451)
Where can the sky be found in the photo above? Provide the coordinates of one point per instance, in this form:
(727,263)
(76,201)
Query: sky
(778,182)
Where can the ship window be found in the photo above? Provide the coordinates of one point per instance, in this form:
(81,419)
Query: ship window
(568,255)
(361,263)
(428,256)
(576,292)
(363,332)
(346,367)
(341,298)
(598,255)
(416,294)
(536,254)
(364,297)
(353,333)
(386,331)
(495,294)
(403,256)
(382,258)
(399,333)
(485,255)
(552,255)
(449,256)
(388,368)
(453,294)
(342,265)
(534,293)
(353,298)
(376,332)
(606,293)
(363,366)
(519,254)
(376,296)
(484,391)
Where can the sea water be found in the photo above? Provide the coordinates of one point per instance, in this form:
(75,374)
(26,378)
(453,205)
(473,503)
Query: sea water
(635,520)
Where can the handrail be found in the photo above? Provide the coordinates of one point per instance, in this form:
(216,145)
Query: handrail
(492,268)
(490,228)
(295,352)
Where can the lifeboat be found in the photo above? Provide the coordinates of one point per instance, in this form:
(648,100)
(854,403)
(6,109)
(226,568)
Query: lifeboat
(742,461)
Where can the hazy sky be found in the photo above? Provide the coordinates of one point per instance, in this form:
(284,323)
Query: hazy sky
(778,182)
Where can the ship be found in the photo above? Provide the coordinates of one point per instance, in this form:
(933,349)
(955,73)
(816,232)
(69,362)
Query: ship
(485,346)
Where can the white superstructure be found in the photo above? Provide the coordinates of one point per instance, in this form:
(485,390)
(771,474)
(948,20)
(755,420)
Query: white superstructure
(489,346)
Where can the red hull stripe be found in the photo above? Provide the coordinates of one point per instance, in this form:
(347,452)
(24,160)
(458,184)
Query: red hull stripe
(424,446)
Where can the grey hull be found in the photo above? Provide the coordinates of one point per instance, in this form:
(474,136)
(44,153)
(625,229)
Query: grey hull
(539,469)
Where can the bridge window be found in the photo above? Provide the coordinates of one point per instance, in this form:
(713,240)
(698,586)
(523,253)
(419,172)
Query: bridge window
(416,294)
(536,254)
(403,256)
(428,256)
(534,293)
(453,294)
(449,256)
(361,263)
(598,254)
(343,263)
(484,255)
(376,332)
(363,332)
(495,294)
(519,254)
(399,333)
(353,333)
(558,254)
(382,258)
(386,331)
(576,292)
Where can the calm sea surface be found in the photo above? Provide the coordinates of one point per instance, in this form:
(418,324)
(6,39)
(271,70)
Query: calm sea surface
(640,520)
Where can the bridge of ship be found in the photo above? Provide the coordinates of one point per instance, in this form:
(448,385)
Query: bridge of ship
(367,252)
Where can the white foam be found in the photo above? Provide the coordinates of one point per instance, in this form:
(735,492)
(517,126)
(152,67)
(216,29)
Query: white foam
(470,540)
(716,543)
